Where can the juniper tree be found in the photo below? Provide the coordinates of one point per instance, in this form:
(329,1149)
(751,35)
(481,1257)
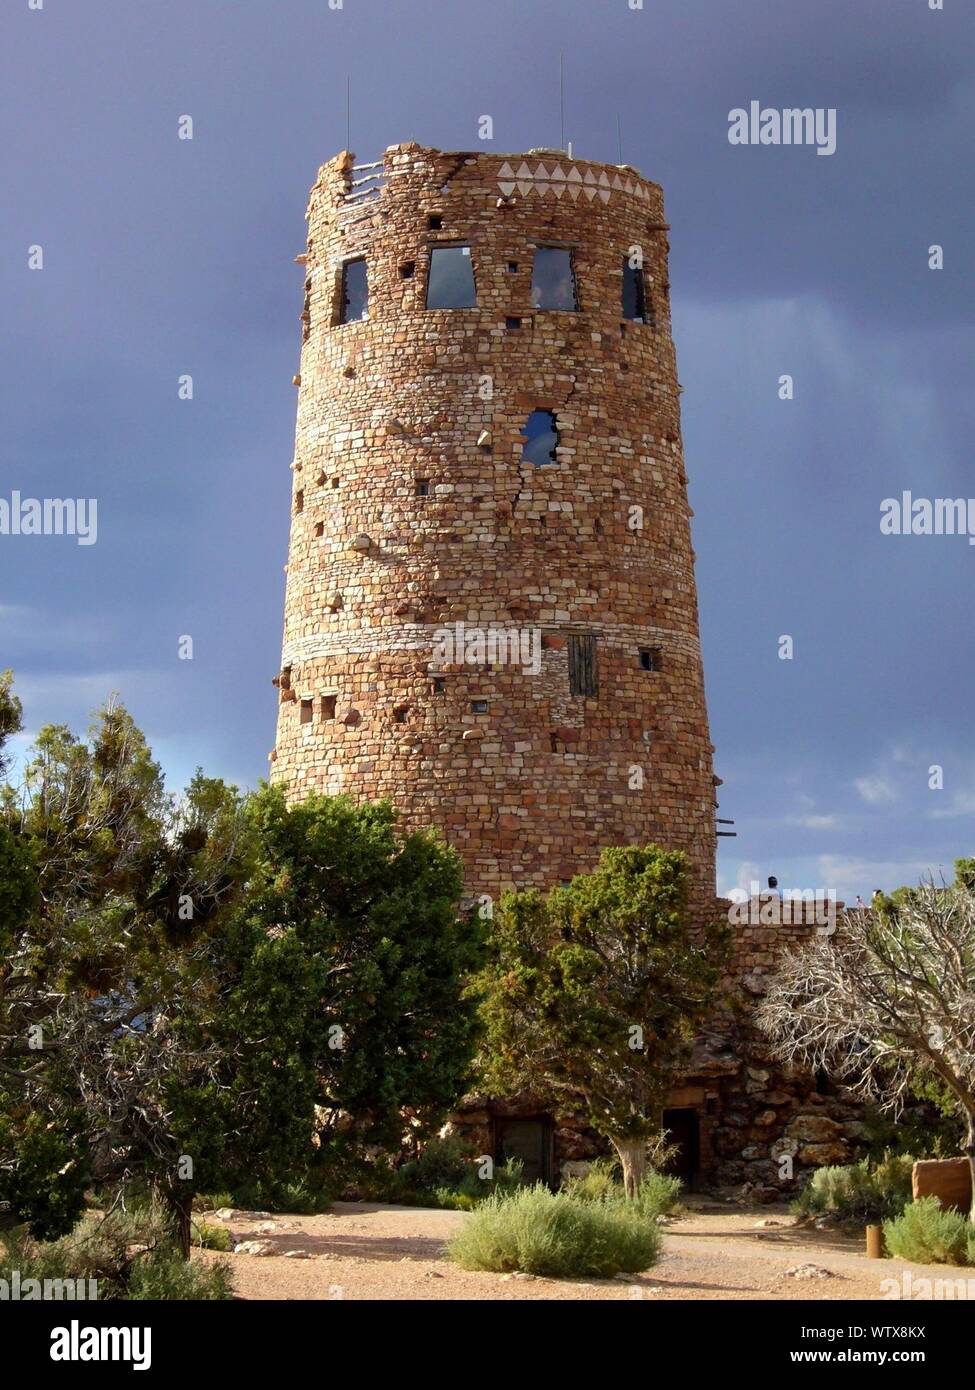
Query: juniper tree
(594,993)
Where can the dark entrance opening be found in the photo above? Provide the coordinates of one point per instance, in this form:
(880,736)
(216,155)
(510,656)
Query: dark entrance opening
(529,1139)
(684,1130)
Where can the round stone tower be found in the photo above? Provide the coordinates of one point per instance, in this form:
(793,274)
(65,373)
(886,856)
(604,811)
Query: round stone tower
(491,616)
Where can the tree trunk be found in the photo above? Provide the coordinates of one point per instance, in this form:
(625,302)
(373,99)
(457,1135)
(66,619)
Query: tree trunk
(970,1151)
(633,1157)
(181,1213)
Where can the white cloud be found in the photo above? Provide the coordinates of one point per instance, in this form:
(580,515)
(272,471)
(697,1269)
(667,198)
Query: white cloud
(877,791)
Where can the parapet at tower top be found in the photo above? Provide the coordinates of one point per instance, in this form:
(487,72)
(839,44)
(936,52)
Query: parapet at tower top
(548,165)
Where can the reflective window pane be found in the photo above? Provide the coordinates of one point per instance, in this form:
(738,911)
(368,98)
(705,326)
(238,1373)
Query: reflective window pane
(355,292)
(451,283)
(634,293)
(553,281)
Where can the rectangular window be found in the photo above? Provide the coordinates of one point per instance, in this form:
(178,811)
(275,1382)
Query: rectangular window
(439,685)
(582,664)
(650,658)
(553,279)
(479,707)
(451,282)
(306,711)
(328,706)
(421,487)
(634,293)
(355,292)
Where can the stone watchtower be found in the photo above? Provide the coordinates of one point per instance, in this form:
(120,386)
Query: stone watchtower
(491,615)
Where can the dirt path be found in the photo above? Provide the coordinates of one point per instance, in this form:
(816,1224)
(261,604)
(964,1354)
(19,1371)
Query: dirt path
(373,1252)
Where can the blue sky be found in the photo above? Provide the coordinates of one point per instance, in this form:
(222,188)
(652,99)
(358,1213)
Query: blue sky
(164,257)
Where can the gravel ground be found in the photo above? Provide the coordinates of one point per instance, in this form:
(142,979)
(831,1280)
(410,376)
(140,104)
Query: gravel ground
(375,1252)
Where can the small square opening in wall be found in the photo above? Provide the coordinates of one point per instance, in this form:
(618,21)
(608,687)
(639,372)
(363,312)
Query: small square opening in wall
(335,482)
(650,658)
(479,707)
(512,324)
(328,706)
(407,270)
(435,222)
(421,487)
(399,714)
(307,709)
(319,529)
(439,686)
(512,267)
(299,501)
(320,480)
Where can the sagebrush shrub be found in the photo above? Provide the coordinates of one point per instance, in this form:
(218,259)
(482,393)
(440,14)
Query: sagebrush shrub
(658,1193)
(540,1232)
(928,1235)
(130,1254)
(859,1193)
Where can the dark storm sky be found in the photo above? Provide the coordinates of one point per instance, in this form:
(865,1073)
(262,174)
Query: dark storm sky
(165,257)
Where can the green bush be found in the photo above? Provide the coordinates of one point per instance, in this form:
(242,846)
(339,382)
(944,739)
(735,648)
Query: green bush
(658,1195)
(445,1174)
(928,1235)
(541,1232)
(209,1236)
(167,1276)
(130,1254)
(859,1194)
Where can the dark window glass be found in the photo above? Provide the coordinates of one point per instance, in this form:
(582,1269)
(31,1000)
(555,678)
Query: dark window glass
(634,293)
(541,438)
(355,292)
(479,706)
(582,664)
(553,281)
(451,284)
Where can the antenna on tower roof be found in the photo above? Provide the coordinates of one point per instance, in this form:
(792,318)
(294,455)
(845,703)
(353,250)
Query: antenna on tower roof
(619,135)
(348,111)
(561,101)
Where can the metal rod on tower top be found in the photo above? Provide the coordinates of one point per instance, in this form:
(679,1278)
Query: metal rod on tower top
(348,111)
(619,135)
(561,101)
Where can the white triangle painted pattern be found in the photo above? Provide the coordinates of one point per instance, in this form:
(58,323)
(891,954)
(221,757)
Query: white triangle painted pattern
(542,181)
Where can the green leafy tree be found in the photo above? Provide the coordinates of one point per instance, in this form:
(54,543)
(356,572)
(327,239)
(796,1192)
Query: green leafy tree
(108,969)
(594,993)
(350,962)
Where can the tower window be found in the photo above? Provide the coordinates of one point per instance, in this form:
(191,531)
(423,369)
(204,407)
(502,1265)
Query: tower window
(553,279)
(355,291)
(512,267)
(451,282)
(435,222)
(319,528)
(650,659)
(406,270)
(634,293)
(582,664)
(299,501)
(306,711)
(479,707)
(439,685)
(421,487)
(328,706)
(512,324)
(541,438)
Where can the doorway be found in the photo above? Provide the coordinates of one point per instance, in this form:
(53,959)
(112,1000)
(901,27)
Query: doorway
(530,1140)
(684,1130)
